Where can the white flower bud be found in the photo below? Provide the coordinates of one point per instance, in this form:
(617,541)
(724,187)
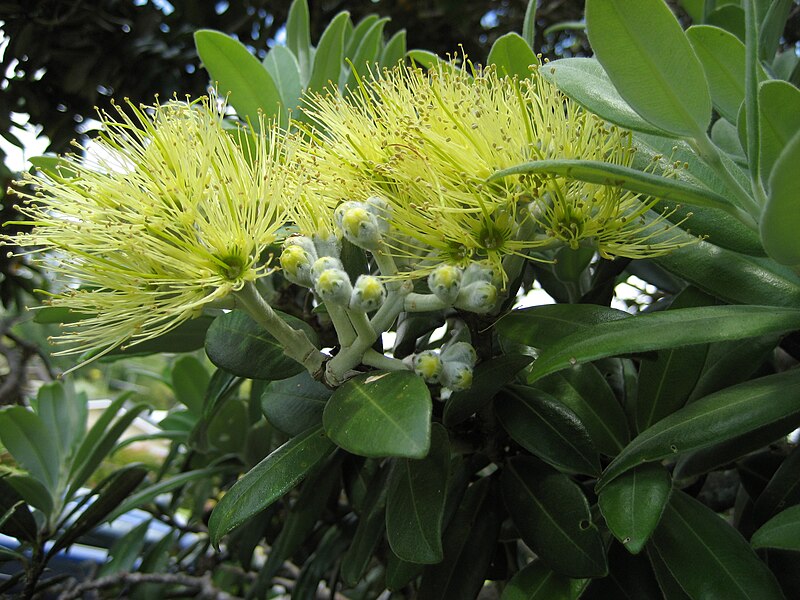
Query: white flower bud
(333,286)
(296,259)
(428,365)
(478,297)
(323,264)
(460,352)
(445,283)
(358,224)
(369,293)
(382,211)
(477,272)
(456,376)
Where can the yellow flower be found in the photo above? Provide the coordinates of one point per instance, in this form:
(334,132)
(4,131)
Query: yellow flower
(426,142)
(176,213)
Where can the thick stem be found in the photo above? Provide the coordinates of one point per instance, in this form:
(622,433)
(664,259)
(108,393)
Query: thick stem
(383,362)
(295,343)
(423,303)
(344,330)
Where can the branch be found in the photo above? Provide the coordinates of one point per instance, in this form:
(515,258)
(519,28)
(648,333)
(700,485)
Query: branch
(200,587)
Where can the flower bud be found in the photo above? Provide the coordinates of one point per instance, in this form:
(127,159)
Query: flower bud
(445,283)
(323,264)
(456,376)
(478,297)
(333,286)
(382,211)
(477,272)
(368,293)
(358,224)
(460,352)
(296,263)
(428,365)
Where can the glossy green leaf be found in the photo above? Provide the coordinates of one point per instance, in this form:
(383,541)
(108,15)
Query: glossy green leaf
(468,549)
(186,337)
(595,171)
(298,37)
(238,75)
(269,480)
(708,557)
(543,326)
(630,577)
(321,563)
(29,442)
(16,519)
(415,503)
(587,393)
(400,573)
(282,66)
(585,81)
(107,496)
(782,490)
(712,420)
(666,383)
(722,56)
(189,382)
(529,24)
(632,504)
(488,378)
(238,344)
(125,551)
(294,404)
(547,429)
(354,35)
(512,56)
(537,582)
(780,219)
(669,586)
(730,18)
(395,50)
(396,404)
(667,329)
(64,415)
(781,531)
(779,121)
(368,534)
(328,60)
(367,53)
(553,518)
(646,54)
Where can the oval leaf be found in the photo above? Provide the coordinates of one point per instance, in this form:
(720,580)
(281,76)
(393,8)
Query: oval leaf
(667,329)
(415,503)
(713,419)
(553,518)
(330,54)
(779,114)
(294,404)
(512,56)
(281,64)
(27,439)
(708,557)
(547,429)
(633,503)
(780,219)
(646,54)
(537,582)
(782,531)
(269,480)
(381,414)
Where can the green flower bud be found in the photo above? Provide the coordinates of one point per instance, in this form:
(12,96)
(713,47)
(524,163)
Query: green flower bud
(296,264)
(478,297)
(382,211)
(460,352)
(368,293)
(456,376)
(428,365)
(445,283)
(333,286)
(477,272)
(323,264)
(358,224)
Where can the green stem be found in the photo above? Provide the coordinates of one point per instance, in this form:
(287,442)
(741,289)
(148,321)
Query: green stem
(344,330)
(361,323)
(383,362)
(295,343)
(423,303)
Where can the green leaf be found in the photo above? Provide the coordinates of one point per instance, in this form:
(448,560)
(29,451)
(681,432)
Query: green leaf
(396,404)
(587,393)
(708,557)
(189,382)
(585,81)
(367,53)
(369,532)
(282,65)
(772,28)
(27,439)
(63,415)
(16,519)
(781,531)
(544,326)
(711,420)
(648,58)
(730,18)
(32,491)
(512,56)
(125,551)
(488,379)
(537,582)
(780,218)
(667,329)
(416,500)
(298,37)
(395,50)
(236,343)
(269,480)
(529,24)
(782,490)
(238,75)
(468,548)
(553,518)
(595,171)
(354,35)
(294,404)
(722,56)
(779,116)
(633,503)
(186,337)
(547,429)
(669,586)
(330,55)
(55,167)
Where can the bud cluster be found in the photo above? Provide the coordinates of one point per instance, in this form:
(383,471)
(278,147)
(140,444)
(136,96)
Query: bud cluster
(451,368)
(473,289)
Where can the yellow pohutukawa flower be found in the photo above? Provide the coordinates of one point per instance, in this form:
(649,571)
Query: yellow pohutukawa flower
(426,142)
(177,212)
